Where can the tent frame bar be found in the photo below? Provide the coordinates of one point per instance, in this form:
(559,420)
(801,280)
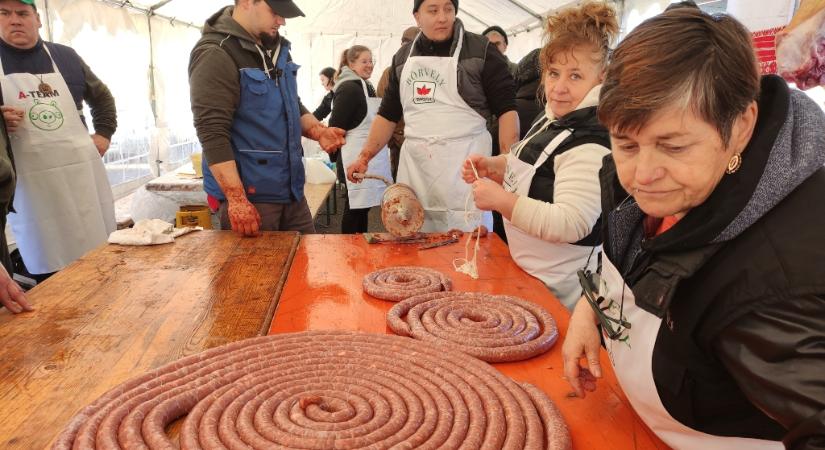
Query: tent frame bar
(149,12)
(526,9)
(464,11)
(159,4)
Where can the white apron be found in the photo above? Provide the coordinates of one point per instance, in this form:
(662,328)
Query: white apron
(367,193)
(441,130)
(63,200)
(555,264)
(632,358)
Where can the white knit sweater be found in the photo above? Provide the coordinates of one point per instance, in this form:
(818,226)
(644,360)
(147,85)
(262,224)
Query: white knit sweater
(576,193)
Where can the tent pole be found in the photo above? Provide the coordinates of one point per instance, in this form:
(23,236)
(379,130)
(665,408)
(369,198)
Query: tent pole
(152,88)
(540,22)
(158,5)
(126,4)
(463,11)
(48,20)
(526,9)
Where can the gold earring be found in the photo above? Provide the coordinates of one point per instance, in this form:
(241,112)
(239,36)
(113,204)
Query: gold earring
(734,164)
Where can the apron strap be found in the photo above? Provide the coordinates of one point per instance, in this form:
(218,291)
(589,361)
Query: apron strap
(551,147)
(412,46)
(366,91)
(54,65)
(460,33)
(519,146)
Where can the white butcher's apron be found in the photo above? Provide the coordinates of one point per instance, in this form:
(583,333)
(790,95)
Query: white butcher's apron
(632,359)
(63,201)
(441,130)
(555,264)
(367,193)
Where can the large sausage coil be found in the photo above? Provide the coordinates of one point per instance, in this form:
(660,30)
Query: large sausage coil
(321,390)
(494,328)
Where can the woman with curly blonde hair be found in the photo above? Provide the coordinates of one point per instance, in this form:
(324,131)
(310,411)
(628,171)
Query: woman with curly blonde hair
(547,188)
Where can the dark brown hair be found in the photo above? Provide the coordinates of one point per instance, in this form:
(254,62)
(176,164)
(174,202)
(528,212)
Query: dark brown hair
(349,56)
(592,25)
(683,57)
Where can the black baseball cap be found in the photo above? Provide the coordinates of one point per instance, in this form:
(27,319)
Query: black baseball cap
(285,8)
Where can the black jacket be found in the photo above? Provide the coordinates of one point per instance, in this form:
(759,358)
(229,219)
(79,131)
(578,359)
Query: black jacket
(324,108)
(740,284)
(349,106)
(528,82)
(484,79)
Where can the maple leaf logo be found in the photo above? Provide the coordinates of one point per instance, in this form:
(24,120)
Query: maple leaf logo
(424,90)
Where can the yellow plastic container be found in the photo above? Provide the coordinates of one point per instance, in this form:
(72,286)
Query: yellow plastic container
(194,216)
(197,158)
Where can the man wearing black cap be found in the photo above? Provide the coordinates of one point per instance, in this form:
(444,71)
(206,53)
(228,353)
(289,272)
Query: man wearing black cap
(498,37)
(446,84)
(249,119)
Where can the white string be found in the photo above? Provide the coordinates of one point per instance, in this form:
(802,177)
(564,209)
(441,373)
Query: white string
(466,265)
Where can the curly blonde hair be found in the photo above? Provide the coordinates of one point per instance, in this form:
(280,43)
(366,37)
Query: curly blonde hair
(592,25)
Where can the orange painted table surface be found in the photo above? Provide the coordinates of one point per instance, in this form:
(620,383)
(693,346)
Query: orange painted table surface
(323,292)
(119,312)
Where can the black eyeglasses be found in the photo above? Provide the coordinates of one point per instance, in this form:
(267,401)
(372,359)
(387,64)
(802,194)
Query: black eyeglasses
(591,293)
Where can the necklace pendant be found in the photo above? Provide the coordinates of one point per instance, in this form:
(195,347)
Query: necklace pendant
(45,88)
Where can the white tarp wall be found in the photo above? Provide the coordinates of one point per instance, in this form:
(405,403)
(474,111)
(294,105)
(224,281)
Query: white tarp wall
(115,43)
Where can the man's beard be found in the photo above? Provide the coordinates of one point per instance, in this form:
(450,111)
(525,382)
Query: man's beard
(269,41)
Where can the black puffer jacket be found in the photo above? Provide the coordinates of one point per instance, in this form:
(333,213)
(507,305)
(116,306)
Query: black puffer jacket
(740,282)
(529,103)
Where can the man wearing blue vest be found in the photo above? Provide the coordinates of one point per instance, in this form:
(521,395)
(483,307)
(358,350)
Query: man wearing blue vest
(250,120)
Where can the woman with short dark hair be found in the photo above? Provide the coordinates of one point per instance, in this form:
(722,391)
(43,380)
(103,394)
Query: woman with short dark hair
(711,294)
(327,78)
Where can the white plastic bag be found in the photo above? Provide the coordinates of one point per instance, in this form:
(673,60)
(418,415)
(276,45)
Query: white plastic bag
(149,232)
(317,172)
(800,48)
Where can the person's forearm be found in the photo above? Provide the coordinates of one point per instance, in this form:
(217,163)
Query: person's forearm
(308,122)
(226,174)
(497,167)
(508,131)
(101,103)
(380,134)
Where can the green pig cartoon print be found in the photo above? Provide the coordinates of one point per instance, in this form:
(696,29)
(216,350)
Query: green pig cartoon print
(46,116)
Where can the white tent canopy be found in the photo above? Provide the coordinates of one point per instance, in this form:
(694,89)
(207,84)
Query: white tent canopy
(140,49)
(373,17)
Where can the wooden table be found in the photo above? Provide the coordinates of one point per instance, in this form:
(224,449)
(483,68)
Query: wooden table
(323,292)
(121,311)
(179,181)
